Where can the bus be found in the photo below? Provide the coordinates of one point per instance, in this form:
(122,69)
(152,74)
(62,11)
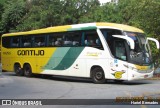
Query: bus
(98,51)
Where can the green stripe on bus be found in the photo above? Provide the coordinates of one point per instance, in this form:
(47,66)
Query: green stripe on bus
(82,28)
(63,58)
(69,58)
(56,58)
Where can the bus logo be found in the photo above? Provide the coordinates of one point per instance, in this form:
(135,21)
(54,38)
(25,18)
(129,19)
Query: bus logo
(118,74)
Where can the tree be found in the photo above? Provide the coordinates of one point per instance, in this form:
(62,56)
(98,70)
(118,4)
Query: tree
(1,12)
(41,14)
(105,13)
(75,10)
(13,12)
(55,12)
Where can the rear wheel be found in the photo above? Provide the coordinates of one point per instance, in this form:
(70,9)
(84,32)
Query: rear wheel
(98,76)
(18,70)
(27,70)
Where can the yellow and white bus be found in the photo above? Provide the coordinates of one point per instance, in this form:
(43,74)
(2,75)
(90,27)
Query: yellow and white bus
(92,50)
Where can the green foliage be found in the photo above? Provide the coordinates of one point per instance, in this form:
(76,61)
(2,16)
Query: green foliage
(55,12)
(11,17)
(74,11)
(1,12)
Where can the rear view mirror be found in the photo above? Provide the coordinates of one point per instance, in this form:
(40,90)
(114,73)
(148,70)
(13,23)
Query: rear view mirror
(154,40)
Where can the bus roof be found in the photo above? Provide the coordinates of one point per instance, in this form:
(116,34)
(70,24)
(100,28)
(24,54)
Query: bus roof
(121,27)
(78,27)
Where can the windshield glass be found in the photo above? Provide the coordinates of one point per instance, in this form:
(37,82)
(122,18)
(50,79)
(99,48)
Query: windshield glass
(120,49)
(141,54)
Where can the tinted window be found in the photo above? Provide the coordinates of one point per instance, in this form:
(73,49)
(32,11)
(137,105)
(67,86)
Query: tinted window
(15,42)
(26,41)
(6,42)
(39,41)
(56,39)
(109,38)
(64,39)
(51,40)
(120,49)
(72,39)
(67,39)
(92,39)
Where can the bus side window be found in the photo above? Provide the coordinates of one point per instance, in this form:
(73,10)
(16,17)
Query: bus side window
(59,42)
(68,39)
(76,40)
(26,42)
(91,39)
(6,42)
(39,41)
(15,42)
(51,40)
(58,39)
(55,39)
(73,38)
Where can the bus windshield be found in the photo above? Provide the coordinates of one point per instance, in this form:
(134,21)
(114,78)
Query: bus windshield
(141,54)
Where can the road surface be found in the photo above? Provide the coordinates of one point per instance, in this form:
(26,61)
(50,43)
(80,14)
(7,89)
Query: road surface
(16,87)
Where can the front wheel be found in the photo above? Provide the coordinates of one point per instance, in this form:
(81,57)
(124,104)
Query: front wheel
(27,70)
(98,76)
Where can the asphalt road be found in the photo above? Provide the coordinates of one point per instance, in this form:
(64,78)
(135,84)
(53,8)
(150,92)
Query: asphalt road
(16,87)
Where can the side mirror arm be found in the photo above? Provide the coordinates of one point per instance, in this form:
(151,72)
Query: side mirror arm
(131,41)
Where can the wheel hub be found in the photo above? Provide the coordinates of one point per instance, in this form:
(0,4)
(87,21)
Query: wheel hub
(99,75)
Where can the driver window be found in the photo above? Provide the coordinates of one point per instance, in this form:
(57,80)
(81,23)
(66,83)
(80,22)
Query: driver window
(120,51)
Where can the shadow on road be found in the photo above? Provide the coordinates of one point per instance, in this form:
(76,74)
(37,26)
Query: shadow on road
(82,80)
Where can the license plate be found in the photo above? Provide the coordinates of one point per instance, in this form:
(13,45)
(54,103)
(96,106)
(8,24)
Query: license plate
(145,76)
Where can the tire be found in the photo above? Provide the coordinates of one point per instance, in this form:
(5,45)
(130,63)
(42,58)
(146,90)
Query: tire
(27,70)
(98,76)
(18,70)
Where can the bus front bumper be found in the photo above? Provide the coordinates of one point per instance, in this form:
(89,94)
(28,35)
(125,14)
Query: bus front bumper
(137,75)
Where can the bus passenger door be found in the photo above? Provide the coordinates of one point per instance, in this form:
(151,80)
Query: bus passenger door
(118,64)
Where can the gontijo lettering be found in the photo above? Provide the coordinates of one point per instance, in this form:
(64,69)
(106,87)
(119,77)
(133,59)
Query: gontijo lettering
(30,52)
